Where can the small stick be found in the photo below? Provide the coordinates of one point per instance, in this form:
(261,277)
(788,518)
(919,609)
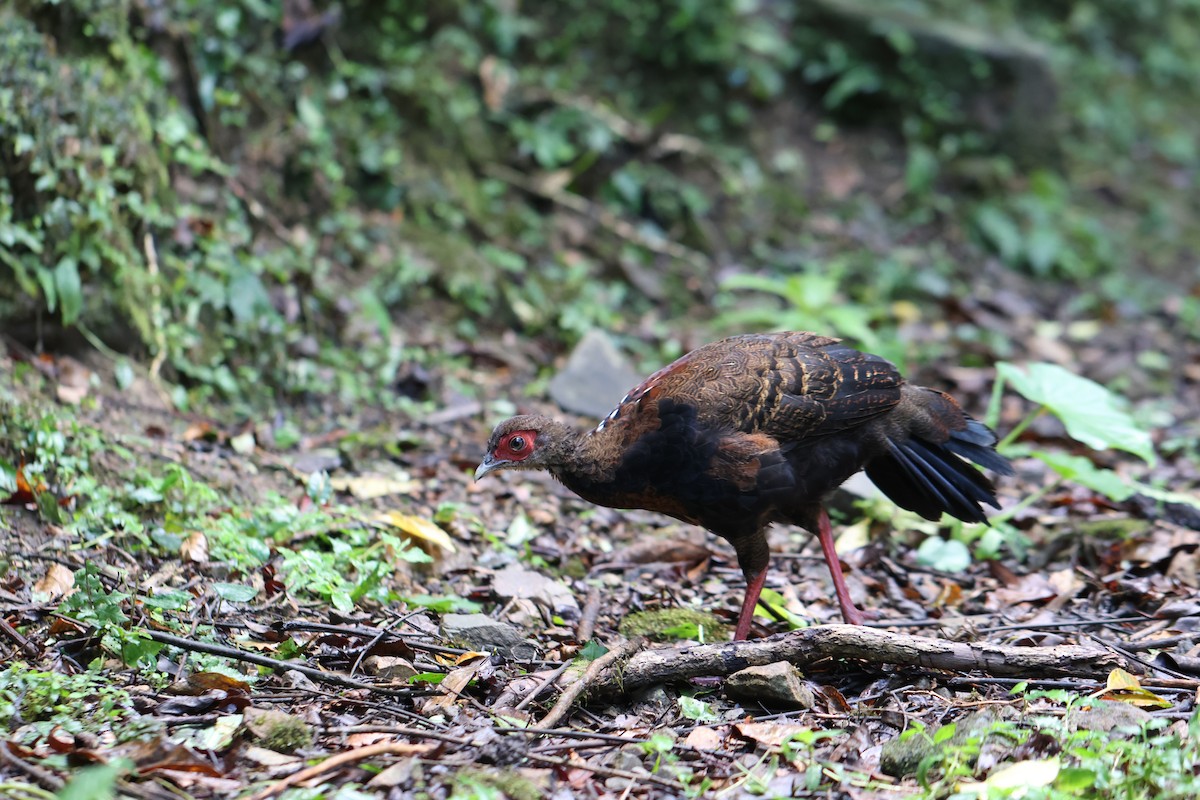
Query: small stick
(612,772)
(593,673)
(341,759)
(541,687)
(591,610)
(336,678)
(44,777)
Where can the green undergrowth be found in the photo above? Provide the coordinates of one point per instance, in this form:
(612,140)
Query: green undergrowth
(275,217)
(1060,758)
(103,492)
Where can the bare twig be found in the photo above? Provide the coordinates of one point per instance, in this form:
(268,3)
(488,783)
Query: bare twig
(543,685)
(44,777)
(806,647)
(577,763)
(340,760)
(273,663)
(8,630)
(587,621)
(591,676)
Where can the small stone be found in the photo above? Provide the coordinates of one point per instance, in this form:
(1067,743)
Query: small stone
(481,632)
(595,378)
(778,684)
(517,582)
(1107,717)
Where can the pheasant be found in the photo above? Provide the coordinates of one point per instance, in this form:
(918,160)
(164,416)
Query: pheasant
(759,429)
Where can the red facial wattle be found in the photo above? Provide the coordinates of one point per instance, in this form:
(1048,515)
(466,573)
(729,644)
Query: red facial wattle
(516,446)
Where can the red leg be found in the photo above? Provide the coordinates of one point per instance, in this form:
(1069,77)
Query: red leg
(850,613)
(754,584)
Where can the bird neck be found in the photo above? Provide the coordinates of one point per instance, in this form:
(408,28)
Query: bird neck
(583,459)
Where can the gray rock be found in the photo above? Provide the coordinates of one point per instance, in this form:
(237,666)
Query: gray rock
(778,684)
(595,378)
(481,632)
(517,582)
(1107,716)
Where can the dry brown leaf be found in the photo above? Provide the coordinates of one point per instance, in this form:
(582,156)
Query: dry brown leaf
(704,738)
(452,686)
(74,381)
(272,759)
(195,548)
(771,735)
(57,582)
(25,493)
(199,430)
(496,78)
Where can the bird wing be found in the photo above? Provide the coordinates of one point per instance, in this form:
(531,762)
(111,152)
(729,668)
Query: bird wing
(789,386)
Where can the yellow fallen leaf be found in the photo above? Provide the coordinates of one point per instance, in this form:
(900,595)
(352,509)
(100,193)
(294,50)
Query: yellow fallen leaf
(1125,688)
(463,658)
(417,528)
(1120,679)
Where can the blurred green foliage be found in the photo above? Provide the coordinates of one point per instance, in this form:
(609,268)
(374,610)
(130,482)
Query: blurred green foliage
(269,206)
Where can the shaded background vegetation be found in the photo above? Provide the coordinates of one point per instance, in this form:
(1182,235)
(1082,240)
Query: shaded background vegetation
(253,196)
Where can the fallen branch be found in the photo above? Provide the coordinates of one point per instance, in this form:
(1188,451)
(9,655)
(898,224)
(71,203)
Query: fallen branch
(323,676)
(590,678)
(807,647)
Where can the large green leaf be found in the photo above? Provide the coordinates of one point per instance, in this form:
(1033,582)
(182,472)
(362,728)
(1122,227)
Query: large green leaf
(1082,471)
(1092,414)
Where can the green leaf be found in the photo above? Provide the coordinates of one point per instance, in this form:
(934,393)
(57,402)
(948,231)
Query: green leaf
(697,710)
(1042,249)
(92,783)
(944,733)
(685,630)
(1074,779)
(8,477)
(168,601)
(1082,471)
(235,592)
(248,298)
(1000,231)
(944,555)
(921,169)
(123,374)
(1091,413)
(444,604)
(341,600)
(427,677)
(592,650)
(70,289)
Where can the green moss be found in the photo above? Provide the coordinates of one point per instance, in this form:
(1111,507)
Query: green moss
(672,623)
(284,734)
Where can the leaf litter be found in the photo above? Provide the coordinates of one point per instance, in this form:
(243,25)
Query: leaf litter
(373,690)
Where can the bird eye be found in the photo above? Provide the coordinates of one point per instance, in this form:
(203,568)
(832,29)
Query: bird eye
(516,444)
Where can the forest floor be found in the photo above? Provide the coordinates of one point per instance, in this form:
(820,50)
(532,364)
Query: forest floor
(428,623)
